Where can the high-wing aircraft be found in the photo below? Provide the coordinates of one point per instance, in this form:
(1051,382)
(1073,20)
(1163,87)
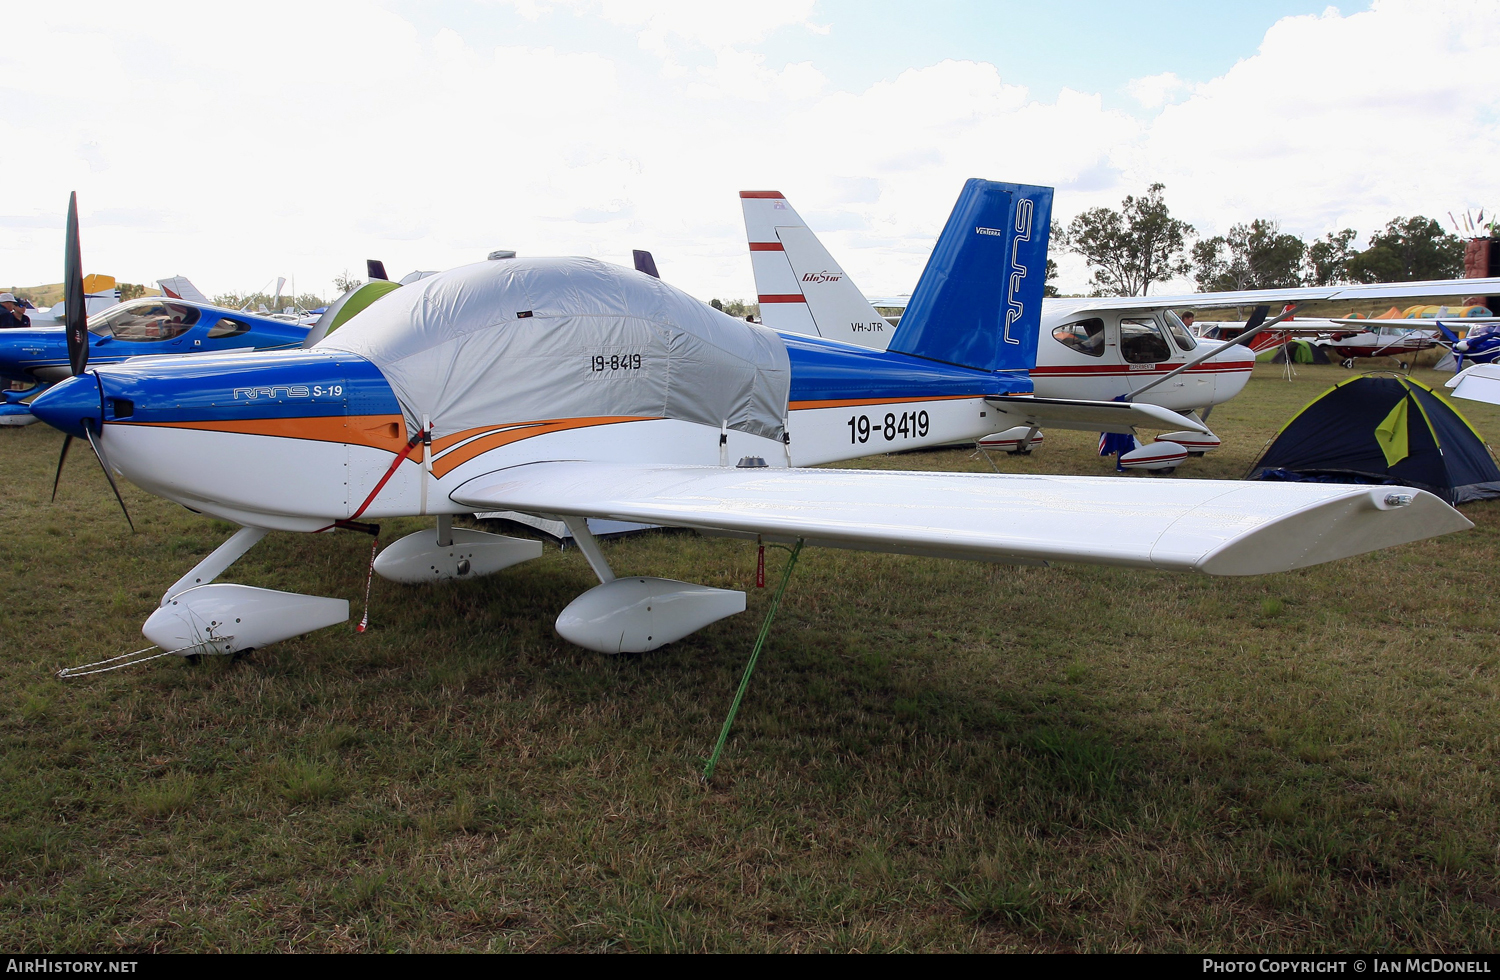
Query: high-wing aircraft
(1132,348)
(570,387)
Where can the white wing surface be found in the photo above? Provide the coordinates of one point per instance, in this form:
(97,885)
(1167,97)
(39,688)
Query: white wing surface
(1358,293)
(1222,528)
(1480,383)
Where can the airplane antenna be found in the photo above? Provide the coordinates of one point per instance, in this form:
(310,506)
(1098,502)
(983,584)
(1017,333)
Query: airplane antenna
(645,263)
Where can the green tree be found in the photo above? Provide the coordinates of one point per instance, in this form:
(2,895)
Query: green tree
(736,307)
(344,282)
(1409,249)
(132,290)
(1253,256)
(254,301)
(1131,248)
(1328,258)
(1049,290)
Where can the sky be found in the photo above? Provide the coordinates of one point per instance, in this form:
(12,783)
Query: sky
(236,143)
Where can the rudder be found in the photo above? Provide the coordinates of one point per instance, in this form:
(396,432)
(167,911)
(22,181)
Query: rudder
(979,301)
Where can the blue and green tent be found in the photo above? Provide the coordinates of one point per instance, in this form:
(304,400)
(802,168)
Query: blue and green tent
(1383,429)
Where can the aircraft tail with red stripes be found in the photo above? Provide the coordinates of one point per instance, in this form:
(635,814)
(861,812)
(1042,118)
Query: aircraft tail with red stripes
(801,289)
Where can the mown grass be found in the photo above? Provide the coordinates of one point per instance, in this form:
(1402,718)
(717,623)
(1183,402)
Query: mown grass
(933,755)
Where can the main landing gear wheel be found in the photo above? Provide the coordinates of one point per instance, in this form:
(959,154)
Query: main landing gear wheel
(1347,363)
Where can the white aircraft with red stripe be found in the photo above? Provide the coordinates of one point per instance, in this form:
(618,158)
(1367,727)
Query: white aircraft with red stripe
(1126,348)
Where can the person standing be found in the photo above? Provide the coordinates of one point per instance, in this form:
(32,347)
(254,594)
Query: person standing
(12,314)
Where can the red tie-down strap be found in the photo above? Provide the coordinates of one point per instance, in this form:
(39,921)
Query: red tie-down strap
(350,523)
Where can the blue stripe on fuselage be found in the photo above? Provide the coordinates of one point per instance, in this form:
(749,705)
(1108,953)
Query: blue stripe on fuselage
(231,387)
(826,369)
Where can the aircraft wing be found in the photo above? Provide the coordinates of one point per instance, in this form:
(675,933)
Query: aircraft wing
(1218,527)
(1357,293)
(1415,323)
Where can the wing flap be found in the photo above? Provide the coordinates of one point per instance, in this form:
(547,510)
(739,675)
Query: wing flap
(1219,527)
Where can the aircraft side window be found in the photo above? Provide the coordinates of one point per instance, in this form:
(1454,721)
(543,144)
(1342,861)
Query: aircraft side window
(148,322)
(1180,332)
(1085,336)
(1142,342)
(227,327)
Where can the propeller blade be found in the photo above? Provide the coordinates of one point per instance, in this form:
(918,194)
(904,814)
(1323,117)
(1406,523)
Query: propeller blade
(67,441)
(375,269)
(645,263)
(103,465)
(75,306)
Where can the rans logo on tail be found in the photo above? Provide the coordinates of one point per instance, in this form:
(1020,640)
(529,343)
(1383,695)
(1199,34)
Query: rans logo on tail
(1014,309)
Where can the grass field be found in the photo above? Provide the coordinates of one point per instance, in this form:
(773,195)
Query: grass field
(933,755)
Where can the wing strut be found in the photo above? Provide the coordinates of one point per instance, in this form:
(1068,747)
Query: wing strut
(760,641)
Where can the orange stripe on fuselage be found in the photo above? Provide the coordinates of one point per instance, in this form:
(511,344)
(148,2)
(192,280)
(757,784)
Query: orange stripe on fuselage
(452,451)
(386,432)
(854,402)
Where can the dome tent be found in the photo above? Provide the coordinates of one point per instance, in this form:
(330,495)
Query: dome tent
(1383,429)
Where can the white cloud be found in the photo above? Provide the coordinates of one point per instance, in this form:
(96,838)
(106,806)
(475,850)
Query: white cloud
(212,148)
(1155,91)
(1340,121)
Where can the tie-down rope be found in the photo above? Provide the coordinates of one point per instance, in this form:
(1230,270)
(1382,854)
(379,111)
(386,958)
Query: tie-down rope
(760,641)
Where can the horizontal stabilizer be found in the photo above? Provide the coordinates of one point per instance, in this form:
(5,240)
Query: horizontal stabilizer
(1480,383)
(1218,527)
(1090,416)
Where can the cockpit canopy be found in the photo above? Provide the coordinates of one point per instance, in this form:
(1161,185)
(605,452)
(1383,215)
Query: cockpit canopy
(144,319)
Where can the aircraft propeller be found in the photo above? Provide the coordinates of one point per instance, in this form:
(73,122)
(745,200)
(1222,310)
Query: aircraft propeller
(76,314)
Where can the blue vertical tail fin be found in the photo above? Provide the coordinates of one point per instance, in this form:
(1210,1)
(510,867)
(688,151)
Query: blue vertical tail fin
(979,301)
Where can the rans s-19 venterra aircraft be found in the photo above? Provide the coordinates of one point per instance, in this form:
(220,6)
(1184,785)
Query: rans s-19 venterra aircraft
(573,388)
(1131,348)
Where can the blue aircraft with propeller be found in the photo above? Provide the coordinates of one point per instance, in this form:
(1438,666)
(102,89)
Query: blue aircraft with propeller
(1480,344)
(147,327)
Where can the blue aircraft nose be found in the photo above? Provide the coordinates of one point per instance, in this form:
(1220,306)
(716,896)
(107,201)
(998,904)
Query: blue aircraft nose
(71,405)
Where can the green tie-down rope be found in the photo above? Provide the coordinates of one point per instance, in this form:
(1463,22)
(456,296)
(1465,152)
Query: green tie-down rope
(760,641)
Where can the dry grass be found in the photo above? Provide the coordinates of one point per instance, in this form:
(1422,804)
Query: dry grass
(933,755)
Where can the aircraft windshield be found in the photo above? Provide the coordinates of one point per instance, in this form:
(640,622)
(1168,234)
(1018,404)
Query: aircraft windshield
(1490,330)
(1085,336)
(145,321)
(227,327)
(1142,342)
(1180,332)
